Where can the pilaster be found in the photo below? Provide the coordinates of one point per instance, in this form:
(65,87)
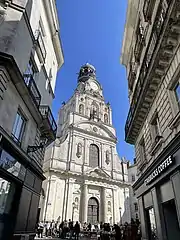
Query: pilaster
(84,202)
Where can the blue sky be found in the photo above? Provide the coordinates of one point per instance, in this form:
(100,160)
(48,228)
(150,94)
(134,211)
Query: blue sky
(92,31)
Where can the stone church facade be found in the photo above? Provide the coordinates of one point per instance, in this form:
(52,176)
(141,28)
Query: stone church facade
(85,178)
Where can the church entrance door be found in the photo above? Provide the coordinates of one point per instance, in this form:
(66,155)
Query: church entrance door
(93,211)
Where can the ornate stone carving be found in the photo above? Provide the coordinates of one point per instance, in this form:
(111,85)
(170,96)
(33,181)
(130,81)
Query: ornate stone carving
(79,150)
(107,157)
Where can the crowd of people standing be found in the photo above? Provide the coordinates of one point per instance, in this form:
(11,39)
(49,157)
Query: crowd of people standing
(103,231)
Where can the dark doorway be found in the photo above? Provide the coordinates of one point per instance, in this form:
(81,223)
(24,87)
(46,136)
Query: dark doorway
(171,220)
(93,211)
(9,200)
(38,215)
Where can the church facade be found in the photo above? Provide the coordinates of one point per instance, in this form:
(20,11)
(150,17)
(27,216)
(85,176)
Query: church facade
(85,179)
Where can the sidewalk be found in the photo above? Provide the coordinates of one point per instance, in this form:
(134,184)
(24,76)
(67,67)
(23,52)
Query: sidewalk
(47,238)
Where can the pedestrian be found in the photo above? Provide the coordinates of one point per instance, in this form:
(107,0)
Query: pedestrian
(71,230)
(117,232)
(61,230)
(89,227)
(46,228)
(40,230)
(77,230)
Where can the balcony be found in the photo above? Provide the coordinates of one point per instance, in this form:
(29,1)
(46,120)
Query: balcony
(49,126)
(33,90)
(40,46)
(159,54)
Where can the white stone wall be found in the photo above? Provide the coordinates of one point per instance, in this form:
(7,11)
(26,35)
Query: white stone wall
(63,193)
(164,102)
(15,28)
(132,171)
(166,106)
(105,182)
(18,26)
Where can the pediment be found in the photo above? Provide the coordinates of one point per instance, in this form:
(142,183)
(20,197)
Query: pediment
(98,173)
(96,128)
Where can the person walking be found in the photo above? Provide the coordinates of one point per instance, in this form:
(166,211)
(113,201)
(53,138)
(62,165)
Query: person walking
(77,230)
(71,229)
(117,232)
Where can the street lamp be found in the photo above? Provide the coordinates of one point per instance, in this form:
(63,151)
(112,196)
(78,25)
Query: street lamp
(120,215)
(73,207)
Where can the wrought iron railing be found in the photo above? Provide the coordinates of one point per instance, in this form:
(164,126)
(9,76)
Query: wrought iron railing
(40,41)
(154,39)
(32,87)
(47,114)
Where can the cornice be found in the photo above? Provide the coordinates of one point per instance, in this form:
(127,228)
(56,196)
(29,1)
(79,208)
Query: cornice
(54,29)
(69,174)
(114,140)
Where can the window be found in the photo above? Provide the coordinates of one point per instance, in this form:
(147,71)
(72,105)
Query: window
(133,178)
(135,206)
(148,9)
(30,72)
(19,127)
(142,151)
(106,118)
(81,109)
(155,132)
(93,155)
(2,186)
(151,223)
(177,93)
(94,113)
(174,97)
(140,41)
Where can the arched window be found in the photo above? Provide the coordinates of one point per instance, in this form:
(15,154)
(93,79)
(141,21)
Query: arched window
(79,150)
(81,109)
(93,155)
(106,120)
(94,113)
(109,206)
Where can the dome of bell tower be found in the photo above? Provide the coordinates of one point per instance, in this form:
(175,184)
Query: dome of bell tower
(86,71)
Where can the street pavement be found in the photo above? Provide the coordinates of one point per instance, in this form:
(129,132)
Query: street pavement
(47,238)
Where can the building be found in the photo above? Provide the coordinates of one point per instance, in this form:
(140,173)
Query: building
(132,177)
(151,55)
(30,56)
(85,178)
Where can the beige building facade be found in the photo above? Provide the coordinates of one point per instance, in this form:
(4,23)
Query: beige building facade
(132,178)
(85,178)
(30,56)
(151,55)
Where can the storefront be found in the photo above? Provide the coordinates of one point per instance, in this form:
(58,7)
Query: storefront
(20,186)
(158,193)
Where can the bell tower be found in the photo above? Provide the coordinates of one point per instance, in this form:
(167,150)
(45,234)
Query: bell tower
(85,161)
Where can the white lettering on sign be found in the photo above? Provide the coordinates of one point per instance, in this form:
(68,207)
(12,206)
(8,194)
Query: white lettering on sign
(165,164)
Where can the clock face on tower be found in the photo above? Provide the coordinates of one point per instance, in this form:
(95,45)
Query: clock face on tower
(94,86)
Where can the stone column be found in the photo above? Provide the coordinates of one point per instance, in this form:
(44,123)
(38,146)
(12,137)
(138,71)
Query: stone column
(103,205)
(157,214)
(143,219)
(69,208)
(84,204)
(116,214)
